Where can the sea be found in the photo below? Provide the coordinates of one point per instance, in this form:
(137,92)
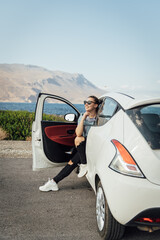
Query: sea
(54,108)
(30,107)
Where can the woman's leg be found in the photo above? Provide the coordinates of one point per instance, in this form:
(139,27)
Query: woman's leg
(71,165)
(81,149)
(80,142)
(79,157)
(52,185)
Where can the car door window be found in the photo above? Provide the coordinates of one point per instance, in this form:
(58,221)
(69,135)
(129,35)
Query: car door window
(54,110)
(108,108)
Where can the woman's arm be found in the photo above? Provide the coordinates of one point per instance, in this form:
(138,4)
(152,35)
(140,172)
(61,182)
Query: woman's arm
(79,129)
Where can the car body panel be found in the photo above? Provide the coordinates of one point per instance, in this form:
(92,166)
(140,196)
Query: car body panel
(138,147)
(103,136)
(128,197)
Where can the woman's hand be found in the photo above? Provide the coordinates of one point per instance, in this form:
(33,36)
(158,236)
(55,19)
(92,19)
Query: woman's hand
(85,115)
(79,129)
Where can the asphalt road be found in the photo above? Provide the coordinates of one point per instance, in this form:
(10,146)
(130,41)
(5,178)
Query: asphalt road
(69,214)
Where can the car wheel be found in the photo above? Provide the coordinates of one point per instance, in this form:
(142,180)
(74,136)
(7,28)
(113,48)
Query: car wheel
(108,227)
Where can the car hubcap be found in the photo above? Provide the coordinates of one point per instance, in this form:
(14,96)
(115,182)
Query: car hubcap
(100,208)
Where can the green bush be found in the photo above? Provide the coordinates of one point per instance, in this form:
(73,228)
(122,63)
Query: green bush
(18,124)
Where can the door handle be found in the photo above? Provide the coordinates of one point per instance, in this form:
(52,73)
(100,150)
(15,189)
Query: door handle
(71,131)
(38,139)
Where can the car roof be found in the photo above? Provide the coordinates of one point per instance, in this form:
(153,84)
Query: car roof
(130,101)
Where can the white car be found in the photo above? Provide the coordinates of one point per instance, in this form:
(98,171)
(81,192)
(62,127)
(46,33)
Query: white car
(123,156)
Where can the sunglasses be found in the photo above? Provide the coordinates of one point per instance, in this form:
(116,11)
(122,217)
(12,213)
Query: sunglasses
(88,102)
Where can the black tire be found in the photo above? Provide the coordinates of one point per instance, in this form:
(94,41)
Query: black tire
(108,227)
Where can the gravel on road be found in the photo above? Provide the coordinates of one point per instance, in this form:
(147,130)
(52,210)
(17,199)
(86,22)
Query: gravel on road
(15,149)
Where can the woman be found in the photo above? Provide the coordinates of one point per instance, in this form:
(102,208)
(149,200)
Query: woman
(87,120)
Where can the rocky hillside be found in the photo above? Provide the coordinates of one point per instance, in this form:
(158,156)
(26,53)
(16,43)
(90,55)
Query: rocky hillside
(22,83)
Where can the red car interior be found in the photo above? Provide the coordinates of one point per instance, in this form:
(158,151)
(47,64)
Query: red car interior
(63,134)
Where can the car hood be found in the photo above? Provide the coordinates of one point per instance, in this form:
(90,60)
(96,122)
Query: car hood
(147,159)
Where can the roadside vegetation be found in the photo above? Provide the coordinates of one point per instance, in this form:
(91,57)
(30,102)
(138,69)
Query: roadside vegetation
(17,125)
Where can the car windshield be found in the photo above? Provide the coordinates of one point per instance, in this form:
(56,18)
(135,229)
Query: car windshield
(147,120)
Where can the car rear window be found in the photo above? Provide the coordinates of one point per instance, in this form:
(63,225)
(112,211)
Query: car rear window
(147,120)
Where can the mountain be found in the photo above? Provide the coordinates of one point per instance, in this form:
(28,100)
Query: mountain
(22,83)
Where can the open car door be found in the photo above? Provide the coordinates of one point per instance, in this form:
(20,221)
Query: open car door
(53,131)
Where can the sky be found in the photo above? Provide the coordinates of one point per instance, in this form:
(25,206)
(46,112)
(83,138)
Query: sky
(115,44)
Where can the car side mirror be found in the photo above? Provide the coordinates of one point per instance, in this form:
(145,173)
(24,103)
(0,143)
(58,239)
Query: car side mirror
(70,117)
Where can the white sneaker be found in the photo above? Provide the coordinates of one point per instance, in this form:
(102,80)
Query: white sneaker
(82,170)
(51,185)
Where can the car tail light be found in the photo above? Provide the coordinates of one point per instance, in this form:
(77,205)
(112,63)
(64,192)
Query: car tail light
(148,220)
(123,162)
